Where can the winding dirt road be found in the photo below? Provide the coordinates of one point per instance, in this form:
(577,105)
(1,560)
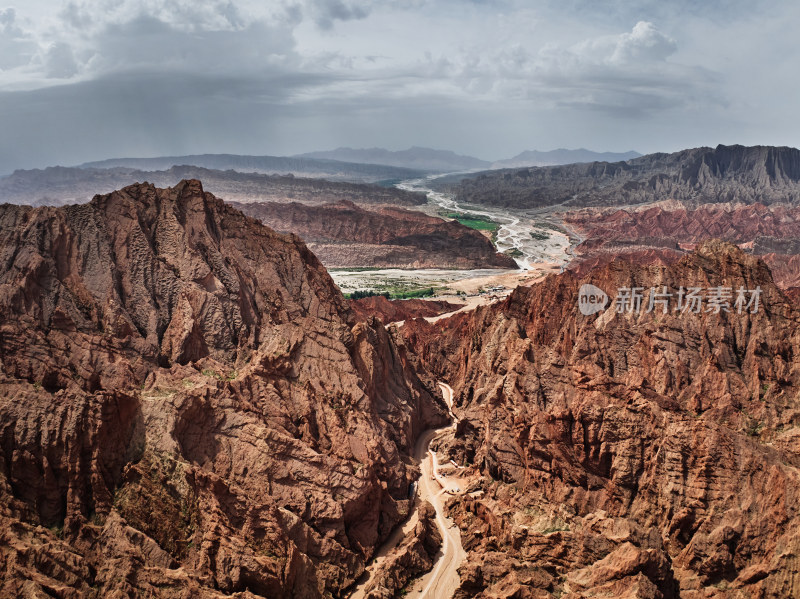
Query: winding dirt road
(442,581)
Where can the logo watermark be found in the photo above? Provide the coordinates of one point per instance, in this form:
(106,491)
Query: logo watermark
(591,299)
(685,300)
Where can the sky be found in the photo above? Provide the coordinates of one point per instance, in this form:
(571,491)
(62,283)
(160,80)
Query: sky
(85,80)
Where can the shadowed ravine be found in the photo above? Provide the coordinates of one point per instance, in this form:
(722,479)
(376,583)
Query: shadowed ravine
(442,581)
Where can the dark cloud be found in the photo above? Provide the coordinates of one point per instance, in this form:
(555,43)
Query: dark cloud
(326,12)
(87,79)
(150,43)
(76,15)
(145,114)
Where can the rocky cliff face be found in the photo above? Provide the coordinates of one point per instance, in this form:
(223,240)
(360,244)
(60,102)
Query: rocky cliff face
(758,224)
(662,234)
(346,235)
(625,454)
(188,407)
(701,175)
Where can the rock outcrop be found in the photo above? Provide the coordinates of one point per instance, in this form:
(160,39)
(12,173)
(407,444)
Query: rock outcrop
(188,408)
(627,454)
(347,235)
(414,556)
(396,310)
(672,222)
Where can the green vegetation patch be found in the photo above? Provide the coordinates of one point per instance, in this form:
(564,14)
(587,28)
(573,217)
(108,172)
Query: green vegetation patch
(362,293)
(401,292)
(479,223)
(395,288)
(426,292)
(354,268)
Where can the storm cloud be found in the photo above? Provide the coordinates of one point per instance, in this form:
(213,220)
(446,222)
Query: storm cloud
(91,79)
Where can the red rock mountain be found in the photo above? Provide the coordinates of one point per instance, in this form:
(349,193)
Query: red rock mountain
(347,235)
(188,407)
(734,223)
(662,234)
(627,455)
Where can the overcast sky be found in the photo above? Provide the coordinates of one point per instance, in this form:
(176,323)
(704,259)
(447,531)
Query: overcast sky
(91,79)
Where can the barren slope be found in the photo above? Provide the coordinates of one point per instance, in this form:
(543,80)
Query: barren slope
(188,408)
(765,174)
(625,455)
(346,235)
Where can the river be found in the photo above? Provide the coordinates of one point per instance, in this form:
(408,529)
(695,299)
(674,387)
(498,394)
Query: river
(531,238)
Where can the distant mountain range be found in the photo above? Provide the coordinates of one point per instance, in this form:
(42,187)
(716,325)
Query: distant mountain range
(66,185)
(562,156)
(364,165)
(765,174)
(415,158)
(447,161)
(335,170)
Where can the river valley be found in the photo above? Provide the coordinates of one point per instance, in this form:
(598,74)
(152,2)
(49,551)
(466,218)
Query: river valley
(537,240)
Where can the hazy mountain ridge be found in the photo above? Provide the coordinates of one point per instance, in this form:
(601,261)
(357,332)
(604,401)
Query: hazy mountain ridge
(66,185)
(563,156)
(446,160)
(268,165)
(415,157)
(763,174)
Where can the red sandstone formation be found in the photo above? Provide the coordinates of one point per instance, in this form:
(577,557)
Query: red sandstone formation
(188,408)
(662,234)
(626,455)
(643,256)
(347,235)
(734,223)
(396,310)
(414,556)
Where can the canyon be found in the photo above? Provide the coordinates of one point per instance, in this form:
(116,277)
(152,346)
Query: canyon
(190,407)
